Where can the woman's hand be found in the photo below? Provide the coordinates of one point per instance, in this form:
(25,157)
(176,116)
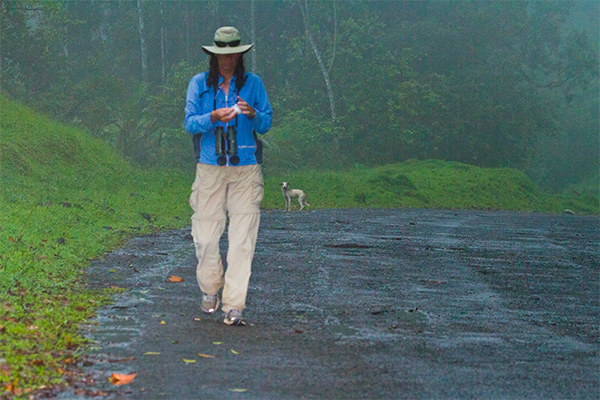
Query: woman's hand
(224,115)
(247,110)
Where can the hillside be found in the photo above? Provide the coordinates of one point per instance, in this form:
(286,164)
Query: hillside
(432,184)
(66,198)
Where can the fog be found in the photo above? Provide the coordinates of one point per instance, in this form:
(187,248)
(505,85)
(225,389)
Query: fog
(352,83)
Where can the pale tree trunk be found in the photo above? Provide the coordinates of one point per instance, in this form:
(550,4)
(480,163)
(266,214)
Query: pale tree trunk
(163,41)
(304,8)
(186,22)
(334,37)
(66,35)
(253,36)
(144,50)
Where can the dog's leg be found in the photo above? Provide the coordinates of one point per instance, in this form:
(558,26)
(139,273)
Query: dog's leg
(307,204)
(302,201)
(288,205)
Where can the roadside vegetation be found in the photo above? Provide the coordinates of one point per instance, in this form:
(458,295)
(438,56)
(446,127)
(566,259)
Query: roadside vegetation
(67,198)
(433,184)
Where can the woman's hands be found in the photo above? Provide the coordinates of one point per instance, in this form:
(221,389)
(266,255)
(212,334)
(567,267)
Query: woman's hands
(247,110)
(227,114)
(224,115)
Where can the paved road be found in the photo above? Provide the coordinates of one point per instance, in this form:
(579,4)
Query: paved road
(376,304)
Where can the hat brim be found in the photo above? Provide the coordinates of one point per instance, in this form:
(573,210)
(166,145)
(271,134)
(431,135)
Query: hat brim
(227,50)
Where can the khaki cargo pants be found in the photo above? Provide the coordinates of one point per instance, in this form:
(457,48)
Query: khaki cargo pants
(218,191)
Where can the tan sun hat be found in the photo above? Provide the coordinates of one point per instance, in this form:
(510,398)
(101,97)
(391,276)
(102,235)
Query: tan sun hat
(227,41)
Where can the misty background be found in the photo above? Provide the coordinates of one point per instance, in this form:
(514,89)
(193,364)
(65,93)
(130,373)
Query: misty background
(352,83)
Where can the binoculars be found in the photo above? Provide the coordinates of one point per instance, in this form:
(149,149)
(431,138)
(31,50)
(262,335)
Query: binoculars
(226,143)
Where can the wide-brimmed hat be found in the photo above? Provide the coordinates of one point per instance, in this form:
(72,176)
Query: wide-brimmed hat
(227,41)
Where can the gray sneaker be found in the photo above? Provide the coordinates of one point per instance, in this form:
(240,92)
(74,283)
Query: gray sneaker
(210,303)
(234,317)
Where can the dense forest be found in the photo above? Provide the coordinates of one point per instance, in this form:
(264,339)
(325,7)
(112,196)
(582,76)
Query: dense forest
(488,83)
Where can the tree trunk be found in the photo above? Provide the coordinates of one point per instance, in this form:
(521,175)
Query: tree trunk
(65,37)
(334,37)
(253,36)
(305,17)
(163,42)
(144,49)
(186,22)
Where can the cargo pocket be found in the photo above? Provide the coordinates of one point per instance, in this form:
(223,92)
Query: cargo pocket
(259,187)
(246,195)
(194,195)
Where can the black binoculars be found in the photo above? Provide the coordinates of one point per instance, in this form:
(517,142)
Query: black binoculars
(226,143)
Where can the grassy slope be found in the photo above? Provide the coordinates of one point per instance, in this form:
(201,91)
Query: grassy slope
(432,184)
(66,198)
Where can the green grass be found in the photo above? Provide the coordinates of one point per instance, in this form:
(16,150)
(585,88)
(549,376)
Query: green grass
(431,184)
(67,198)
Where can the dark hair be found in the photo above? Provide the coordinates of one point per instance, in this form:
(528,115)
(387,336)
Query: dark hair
(213,73)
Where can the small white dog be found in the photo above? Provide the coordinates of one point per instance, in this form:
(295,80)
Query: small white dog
(288,194)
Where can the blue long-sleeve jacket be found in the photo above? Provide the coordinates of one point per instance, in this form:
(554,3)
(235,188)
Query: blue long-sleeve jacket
(200,102)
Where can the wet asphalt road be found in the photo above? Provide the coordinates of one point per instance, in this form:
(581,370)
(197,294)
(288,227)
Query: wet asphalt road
(377,304)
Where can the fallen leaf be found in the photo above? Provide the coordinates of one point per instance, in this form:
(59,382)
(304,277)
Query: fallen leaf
(237,390)
(144,291)
(234,352)
(112,270)
(11,239)
(205,355)
(151,353)
(122,379)
(174,278)
(217,343)
(162,322)
(197,319)
(189,361)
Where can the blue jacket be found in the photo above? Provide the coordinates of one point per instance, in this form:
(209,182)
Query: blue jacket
(200,103)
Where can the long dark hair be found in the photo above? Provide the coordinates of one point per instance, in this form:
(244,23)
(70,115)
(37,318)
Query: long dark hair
(213,73)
